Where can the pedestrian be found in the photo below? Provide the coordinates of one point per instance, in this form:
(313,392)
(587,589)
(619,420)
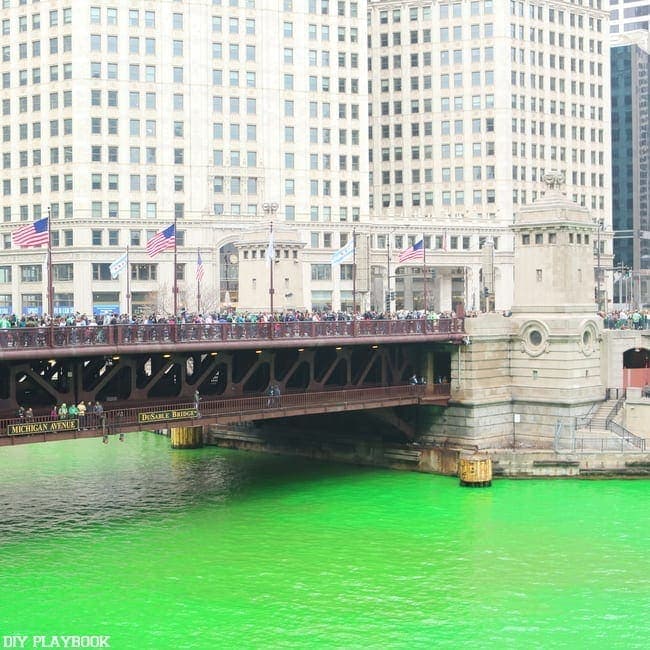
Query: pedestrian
(54,412)
(98,411)
(276,395)
(73,413)
(29,414)
(63,411)
(197,399)
(20,413)
(81,407)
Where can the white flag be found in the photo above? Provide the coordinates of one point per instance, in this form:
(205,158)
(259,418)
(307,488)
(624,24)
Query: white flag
(118,265)
(339,255)
(270,250)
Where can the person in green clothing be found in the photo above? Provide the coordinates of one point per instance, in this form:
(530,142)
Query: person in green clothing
(73,413)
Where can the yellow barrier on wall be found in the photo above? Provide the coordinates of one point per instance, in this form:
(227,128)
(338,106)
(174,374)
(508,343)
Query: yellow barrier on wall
(187,437)
(475,471)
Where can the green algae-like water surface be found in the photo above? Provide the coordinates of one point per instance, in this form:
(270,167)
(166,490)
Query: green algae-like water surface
(210,548)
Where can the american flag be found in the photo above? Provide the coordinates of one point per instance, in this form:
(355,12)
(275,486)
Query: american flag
(415,252)
(35,234)
(200,269)
(162,241)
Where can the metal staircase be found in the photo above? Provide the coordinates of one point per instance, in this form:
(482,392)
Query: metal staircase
(602,421)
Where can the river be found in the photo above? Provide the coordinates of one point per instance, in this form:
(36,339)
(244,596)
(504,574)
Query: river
(168,549)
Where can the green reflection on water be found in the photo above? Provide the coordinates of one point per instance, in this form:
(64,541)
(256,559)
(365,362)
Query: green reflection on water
(217,549)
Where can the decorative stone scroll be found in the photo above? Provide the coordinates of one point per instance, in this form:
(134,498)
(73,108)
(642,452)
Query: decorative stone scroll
(554,180)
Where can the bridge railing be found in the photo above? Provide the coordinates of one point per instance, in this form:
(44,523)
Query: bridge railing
(119,419)
(124,335)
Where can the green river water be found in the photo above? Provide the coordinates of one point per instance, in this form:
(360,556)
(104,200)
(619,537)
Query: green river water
(210,548)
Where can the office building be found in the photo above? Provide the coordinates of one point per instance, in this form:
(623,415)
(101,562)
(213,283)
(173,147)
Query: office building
(630,169)
(470,105)
(119,119)
(224,115)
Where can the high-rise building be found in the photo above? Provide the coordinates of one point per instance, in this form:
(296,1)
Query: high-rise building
(471,104)
(629,15)
(222,115)
(631,169)
(121,118)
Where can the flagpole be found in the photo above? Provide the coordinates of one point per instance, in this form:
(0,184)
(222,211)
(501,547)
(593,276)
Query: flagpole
(271,264)
(424,282)
(389,301)
(175,279)
(198,284)
(354,272)
(128,283)
(50,285)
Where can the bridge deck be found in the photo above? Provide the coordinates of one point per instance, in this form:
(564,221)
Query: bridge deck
(228,411)
(78,341)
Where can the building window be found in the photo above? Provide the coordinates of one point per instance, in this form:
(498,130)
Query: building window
(63,272)
(31,273)
(321,272)
(101,272)
(144,271)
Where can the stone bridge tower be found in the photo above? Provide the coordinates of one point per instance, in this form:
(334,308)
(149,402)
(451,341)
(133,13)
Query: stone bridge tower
(556,331)
(525,377)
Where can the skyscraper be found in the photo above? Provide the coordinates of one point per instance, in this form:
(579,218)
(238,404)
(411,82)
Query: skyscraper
(470,105)
(629,15)
(630,166)
(121,118)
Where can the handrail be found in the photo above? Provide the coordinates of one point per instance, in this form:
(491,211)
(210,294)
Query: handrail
(603,445)
(618,429)
(115,420)
(616,408)
(626,435)
(585,420)
(22,338)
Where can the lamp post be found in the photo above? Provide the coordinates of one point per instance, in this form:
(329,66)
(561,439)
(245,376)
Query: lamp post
(270,209)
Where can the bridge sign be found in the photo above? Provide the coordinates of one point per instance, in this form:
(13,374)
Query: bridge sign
(51,426)
(170,414)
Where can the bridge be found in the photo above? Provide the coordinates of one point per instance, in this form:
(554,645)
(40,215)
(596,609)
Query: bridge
(43,366)
(130,367)
(75,341)
(147,416)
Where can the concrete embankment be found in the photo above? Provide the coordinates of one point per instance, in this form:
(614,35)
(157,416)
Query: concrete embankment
(432,459)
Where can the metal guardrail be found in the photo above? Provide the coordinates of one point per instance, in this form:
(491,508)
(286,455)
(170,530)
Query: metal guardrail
(584,421)
(21,338)
(626,436)
(122,419)
(601,445)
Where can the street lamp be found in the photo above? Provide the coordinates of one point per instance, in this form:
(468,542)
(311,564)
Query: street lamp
(270,209)
(599,223)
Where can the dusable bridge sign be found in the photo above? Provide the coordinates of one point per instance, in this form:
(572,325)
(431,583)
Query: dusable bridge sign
(170,414)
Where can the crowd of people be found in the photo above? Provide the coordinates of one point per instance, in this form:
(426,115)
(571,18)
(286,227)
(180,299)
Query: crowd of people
(632,319)
(89,414)
(618,319)
(215,317)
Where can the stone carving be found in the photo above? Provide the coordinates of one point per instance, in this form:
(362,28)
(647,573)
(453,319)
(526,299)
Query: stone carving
(554,180)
